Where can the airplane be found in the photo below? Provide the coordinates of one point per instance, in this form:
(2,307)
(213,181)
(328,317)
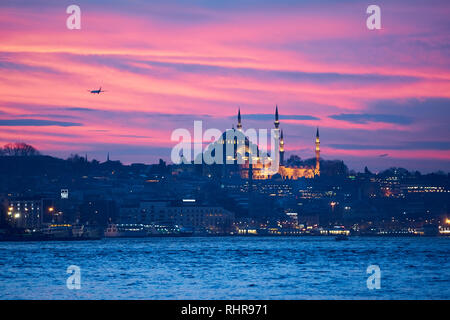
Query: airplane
(97,91)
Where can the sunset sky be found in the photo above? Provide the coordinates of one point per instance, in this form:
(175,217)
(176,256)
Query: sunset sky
(381,98)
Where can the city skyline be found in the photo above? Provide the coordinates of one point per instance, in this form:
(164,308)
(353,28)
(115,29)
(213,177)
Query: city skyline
(224,158)
(379,97)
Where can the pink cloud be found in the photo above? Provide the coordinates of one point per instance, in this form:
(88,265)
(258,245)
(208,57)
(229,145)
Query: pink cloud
(249,59)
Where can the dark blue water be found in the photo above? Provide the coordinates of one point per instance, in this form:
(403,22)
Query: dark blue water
(227,268)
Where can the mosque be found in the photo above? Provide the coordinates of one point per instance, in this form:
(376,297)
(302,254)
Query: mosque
(245,158)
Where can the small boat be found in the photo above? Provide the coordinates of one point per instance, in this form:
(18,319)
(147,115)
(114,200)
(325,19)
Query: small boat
(341,237)
(85,232)
(124,231)
(168,231)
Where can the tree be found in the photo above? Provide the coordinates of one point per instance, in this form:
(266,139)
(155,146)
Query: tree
(19,149)
(75,158)
(367,171)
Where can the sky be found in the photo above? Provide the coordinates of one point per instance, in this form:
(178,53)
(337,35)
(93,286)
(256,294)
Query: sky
(380,98)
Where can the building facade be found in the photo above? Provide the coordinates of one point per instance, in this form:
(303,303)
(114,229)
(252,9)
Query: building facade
(184,213)
(27,214)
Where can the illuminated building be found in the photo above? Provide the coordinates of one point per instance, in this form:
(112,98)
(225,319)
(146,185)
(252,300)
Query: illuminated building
(281,149)
(238,156)
(25,214)
(293,173)
(424,189)
(237,163)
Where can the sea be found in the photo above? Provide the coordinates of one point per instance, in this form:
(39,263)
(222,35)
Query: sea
(227,268)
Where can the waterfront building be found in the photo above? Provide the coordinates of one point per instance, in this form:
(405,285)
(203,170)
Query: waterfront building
(187,213)
(27,214)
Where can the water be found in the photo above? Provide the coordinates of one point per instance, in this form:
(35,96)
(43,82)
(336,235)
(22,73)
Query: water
(227,268)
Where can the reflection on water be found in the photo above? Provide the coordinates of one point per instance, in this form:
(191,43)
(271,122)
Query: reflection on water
(227,268)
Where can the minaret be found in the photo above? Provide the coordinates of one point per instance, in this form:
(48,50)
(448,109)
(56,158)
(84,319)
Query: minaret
(317,169)
(107,158)
(239,125)
(277,152)
(277,122)
(281,149)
